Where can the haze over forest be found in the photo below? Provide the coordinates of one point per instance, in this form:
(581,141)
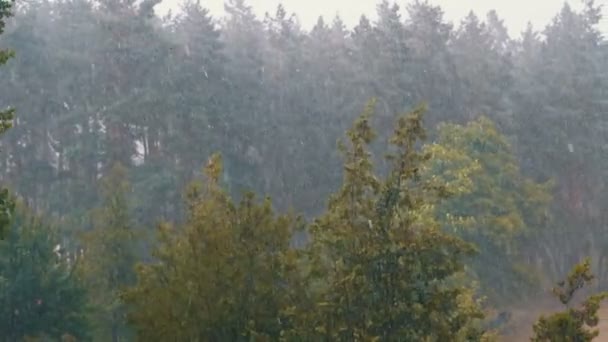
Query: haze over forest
(408,176)
(515,13)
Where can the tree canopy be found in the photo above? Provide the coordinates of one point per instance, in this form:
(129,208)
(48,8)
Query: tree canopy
(419,226)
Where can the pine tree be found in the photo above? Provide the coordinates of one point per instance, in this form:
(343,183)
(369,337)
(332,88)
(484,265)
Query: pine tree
(6,118)
(574,323)
(432,65)
(384,269)
(484,70)
(6,7)
(39,294)
(392,83)
(561,89)
(226,275)
(110,251)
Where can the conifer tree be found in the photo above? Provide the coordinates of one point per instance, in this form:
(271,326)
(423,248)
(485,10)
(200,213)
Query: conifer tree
(572,324)
(226,275)
(384,269)
(40,296)
(6,117)
(109,257)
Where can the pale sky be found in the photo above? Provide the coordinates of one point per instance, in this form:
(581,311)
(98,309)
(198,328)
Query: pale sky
(516,13)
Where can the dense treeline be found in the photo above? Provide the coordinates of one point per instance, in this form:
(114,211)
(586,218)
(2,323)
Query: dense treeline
(489,193)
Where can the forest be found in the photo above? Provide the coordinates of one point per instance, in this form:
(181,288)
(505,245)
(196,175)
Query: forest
(240,178)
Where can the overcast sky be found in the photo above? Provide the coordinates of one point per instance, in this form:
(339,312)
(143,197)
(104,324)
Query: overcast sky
(516,13)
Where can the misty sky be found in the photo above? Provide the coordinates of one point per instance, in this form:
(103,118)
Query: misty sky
(516,13)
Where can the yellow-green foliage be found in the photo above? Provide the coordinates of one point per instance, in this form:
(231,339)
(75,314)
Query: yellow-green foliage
(574,323)
(382,265)
(493,204)
(499,200)
(225,275)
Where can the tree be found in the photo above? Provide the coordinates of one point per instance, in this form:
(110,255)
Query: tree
(122,58)
(572,324)
(385,269)
(392,84)
(287,109)
(480,50)
(499,210)
(559,93)
(245,99)
(199,84)
(226,275)
(39,293)
(432,65)
(110,251)
(6,117)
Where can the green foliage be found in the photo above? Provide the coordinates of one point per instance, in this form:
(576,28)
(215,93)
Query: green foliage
(385,267)
(574,323)
(109,255)
(7,205)
(104,81)
(39,294)
(560,89)
(496,208)
(7,208)
(6,10)
(225,275)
